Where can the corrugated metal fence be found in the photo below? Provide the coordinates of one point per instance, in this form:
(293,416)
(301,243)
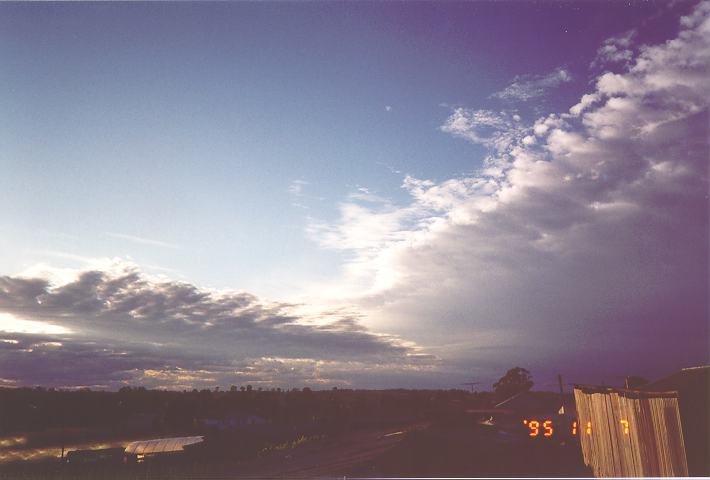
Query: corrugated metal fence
(630,433)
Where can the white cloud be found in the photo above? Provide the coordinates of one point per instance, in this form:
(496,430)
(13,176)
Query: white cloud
(142,240)
(586,101)
(296,187)
(578,225)
(616,49)
(491,129)
(364,194)
(528,87)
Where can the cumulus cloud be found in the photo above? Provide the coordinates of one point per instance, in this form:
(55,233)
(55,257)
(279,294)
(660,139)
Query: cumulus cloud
(582,243)
(120,325)
(615,50)
(528,87)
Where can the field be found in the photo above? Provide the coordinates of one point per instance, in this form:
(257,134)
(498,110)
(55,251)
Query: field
(312,434)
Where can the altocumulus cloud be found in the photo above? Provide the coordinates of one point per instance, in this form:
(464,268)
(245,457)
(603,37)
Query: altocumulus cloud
(528,87)
(121,326)
(580,246)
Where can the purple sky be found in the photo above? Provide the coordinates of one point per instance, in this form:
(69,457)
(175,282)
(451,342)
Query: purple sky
(366,195)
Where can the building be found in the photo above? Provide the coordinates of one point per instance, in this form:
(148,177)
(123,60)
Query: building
(143,449)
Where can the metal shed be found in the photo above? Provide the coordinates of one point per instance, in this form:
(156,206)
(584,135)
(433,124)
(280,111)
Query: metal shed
(161,445)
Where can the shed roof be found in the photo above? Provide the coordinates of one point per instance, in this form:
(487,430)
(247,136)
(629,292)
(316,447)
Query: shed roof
(693,380)
(626,392)
(161,445)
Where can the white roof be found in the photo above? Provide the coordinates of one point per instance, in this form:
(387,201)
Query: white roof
(161,445)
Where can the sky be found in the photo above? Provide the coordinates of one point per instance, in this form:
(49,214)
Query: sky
(362,195)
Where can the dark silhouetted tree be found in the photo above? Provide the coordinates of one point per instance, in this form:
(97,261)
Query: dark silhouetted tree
(515,380)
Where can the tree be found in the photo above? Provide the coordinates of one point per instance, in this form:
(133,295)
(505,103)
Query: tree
(515,380)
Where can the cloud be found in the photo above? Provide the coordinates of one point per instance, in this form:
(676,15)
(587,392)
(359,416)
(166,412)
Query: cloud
(587,100)
(616,49)
(296,187)
(364,194)
(389,167)
(119,325)
(142,240)
(528,87)
(491,129)
(580,246)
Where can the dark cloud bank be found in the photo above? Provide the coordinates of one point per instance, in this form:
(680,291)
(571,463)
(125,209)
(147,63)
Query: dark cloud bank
(124,327)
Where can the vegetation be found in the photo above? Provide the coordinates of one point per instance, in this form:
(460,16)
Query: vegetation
(515,380)
(56,417)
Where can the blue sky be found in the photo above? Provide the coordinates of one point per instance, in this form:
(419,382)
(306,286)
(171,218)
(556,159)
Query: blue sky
(251,146)
(201,117)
